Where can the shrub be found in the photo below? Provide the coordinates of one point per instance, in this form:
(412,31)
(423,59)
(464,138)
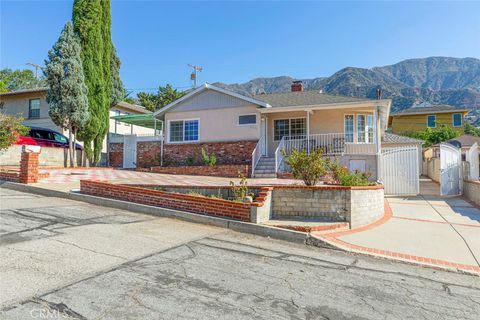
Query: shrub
(356,178)
(433,136)
(189,161)
(307,167)
(10,129)
(240,191)
(209,160)
(338,171)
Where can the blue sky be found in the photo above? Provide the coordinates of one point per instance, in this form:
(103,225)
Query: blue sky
(238,41)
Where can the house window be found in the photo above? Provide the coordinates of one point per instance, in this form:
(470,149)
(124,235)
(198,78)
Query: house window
(348,127)
(34,109)
(289,128)
(361,128)
(183,130)
(247,119)
(370,128)
(432,121)
(457,119)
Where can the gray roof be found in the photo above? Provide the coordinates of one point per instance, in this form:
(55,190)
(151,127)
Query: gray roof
(429,110)
(395,138)
(23,91)
(132,107)
(304,98)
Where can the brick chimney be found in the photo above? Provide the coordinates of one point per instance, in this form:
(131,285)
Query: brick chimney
(297,86)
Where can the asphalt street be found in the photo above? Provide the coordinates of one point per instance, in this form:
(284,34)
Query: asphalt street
(63,259)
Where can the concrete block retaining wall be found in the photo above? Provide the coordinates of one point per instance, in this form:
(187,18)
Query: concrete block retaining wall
(471,190)
(356,205)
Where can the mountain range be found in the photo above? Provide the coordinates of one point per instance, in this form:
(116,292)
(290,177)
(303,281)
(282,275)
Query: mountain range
(433,80)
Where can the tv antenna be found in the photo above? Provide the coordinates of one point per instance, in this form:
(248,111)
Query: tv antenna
(193,76)
(36,66)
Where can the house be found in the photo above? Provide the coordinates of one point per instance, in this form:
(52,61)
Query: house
(258,130)
(31,105)
(465,142)
(420,118)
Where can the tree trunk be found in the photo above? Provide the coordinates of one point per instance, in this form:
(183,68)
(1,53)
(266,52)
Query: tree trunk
(74,146)
(70,153)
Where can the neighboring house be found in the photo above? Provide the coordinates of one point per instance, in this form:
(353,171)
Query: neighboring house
(31,104)
(465,142)
(241,129)
(420,118)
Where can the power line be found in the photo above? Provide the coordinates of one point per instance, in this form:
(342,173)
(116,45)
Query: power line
(193,76)
(36,66)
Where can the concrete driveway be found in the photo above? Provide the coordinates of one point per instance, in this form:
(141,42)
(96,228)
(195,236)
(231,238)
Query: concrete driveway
(63,259)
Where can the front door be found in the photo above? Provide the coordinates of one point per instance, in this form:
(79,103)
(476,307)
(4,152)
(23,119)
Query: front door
(130,151)
(450,170)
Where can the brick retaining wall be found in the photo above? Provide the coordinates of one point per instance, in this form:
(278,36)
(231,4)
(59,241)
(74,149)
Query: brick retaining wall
(185,202)
(148,153)
(231,171)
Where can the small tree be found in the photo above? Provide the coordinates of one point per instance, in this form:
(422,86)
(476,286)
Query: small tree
(471,130)
(307,167)
(10,129)
(434,136)
(67,94)
(164,96)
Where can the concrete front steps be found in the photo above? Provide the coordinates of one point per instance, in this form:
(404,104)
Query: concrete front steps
(307,225)
(265,168)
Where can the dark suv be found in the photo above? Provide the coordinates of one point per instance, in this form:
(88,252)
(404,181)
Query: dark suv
(46,138)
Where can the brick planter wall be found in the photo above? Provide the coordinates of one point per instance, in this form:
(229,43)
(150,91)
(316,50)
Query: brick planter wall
(357,205)
(184,202)
(148,153)
(231,171)
(9,176)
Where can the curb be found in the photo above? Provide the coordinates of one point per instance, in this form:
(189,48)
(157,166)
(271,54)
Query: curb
(239,226)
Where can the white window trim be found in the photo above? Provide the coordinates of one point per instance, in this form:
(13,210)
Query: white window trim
(364,128)
(289,126)
(453,120)
(435,117)
(183,120)
(247,124)
(354,127)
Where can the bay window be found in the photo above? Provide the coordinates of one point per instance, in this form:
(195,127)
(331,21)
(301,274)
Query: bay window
(183,130)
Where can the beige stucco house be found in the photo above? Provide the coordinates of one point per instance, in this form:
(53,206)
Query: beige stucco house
(31,105)
(348,128)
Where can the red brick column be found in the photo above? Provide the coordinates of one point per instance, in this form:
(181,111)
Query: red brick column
(29,167)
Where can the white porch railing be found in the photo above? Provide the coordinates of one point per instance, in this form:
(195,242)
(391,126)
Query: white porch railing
(279,154)
(257,153)
(332,144)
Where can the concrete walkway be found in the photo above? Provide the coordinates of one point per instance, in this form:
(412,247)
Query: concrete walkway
(441,231)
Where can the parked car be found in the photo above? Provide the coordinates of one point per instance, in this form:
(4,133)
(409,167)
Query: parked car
(46,138)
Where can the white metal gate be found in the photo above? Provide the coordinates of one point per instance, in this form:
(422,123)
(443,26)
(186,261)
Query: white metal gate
(473,162)
(399,171)
(450,170)
(130,151)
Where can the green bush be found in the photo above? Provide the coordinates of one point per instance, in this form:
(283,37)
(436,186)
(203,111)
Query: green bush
(307,167)
(354,179)
(433,136)
(240,191)
(209,159)
(10,129)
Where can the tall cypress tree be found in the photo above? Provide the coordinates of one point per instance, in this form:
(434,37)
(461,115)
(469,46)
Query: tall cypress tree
(92,21)
(67,94)
(87,21)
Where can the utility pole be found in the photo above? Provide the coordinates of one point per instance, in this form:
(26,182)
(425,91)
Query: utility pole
(36,66)
(193,76)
